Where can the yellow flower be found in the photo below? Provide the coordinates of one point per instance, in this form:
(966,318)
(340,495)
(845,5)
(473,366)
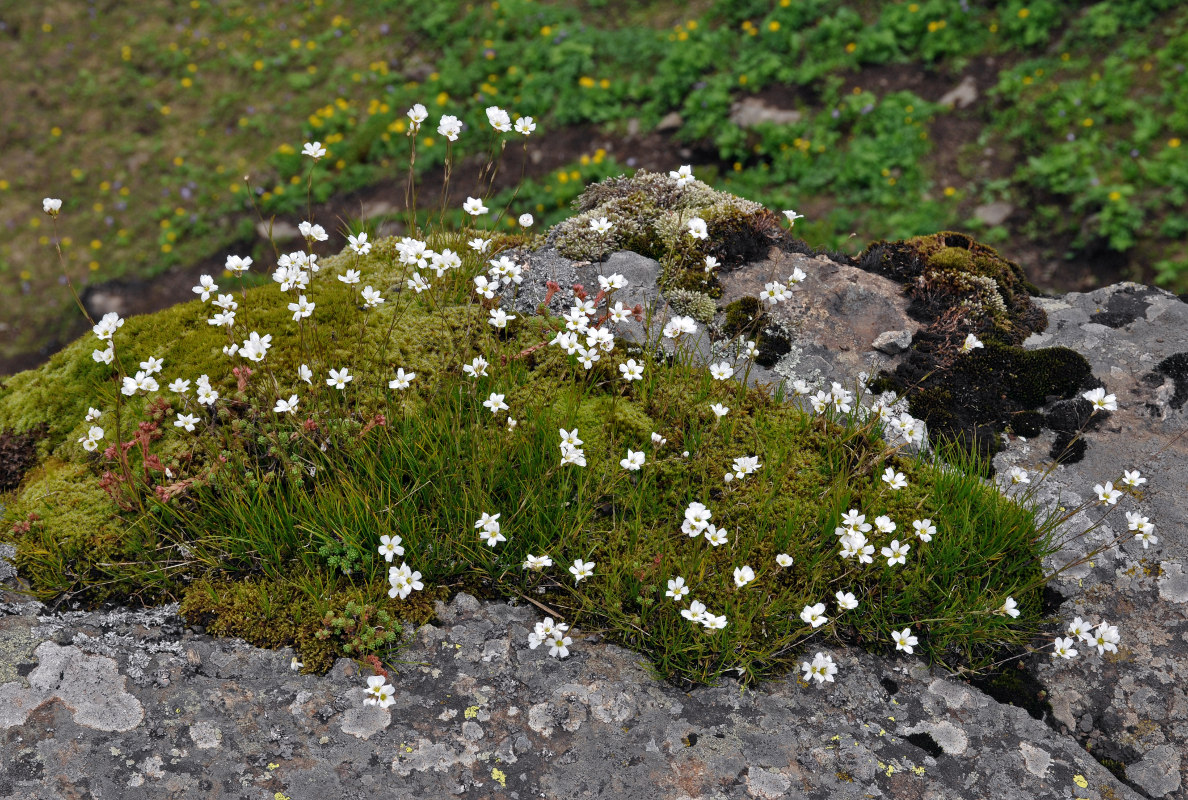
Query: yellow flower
(1173,142)
(851,47)
(950,191)
(1024,13)
(1087,122)
(773,26)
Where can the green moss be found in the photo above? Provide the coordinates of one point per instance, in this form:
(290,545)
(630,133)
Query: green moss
(697,305)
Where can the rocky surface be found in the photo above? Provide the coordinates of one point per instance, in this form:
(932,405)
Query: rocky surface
(134,704)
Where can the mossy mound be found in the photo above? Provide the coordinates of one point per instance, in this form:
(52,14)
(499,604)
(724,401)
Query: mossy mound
(650,211)
(951,276)
(958,286)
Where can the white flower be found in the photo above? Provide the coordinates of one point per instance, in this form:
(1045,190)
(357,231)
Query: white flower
(305,373)
(187,421)
(404,581)
(1105,637)
(601,225)
(302,308)
(1080,629)
(206,395)
(559,645)
(141,382)
(715,536)
(500,318)
(473,206)
(402,379)
(90,442)
(339,378)
(255,347)
(226,302)
(418,283)
(106,327)
(226,318)
(416,115)
(614,281)
(884,524)
(152,366)
(390,547)
(846,601)
(359,245)
(311,231)
(94,413)
(314,150)
(714,622)
(379,692)
(479,244)
(970,344)
(1107,494)
(238,264)
(525,220)
(784,560)
(925,530)
(1019,475)
(286,406)
(695,612)
(1133,479)
(658,440)
(476,368)
(711,263)
(581,570)
(679,325)
(814,615)
(743,575)
(894,479)
(677,588)
(774,293)
(698,228)
(492,536)
(797,276)
(633,461)
(51,206)
(206,286)
(1063,648)
(721,371)
(1137,522)
(525,125)
(1100,400)
(499,119)
(537,563)
(820,669)
(295,664)
(792,217)
(904,640)
(371,298)
(631,370)
(1008,609)
(683,175)
(449,127)
(103,356)
(896,553)
(495,402)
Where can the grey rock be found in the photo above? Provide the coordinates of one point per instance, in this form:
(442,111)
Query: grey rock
(962,95)
(751,111)
(1158,773)
(994,213)
(277,230)
(892,342)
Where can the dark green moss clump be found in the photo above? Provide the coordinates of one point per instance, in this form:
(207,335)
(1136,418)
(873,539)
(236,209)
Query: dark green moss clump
(18,452)
(958,286)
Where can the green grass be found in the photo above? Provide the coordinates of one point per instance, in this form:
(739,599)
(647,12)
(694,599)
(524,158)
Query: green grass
(272,523)
(148,129)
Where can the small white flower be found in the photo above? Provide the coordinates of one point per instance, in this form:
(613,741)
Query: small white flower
(416,115)
(390,547)
(1105,637)
(473,206)
(359,245)
(792,217)
(94,413)
(896,553)
(51,206)
(537,563)
(314,150)
(797,276)
(206,287)
(449,127)
(631,370)
(302,308)
(846,601)
(1080,629)
(814,615)
(1107,494)
(1133,479)
(719,410)
(1010,608)
(525,125)
(339,378)
(711,264)
(677,588)
(820,669)
(682,176)
(286,406)
(1100,400)
(904,640)
(371,297)
(311,231)
(633,461)
(601,225)
(103,356)
(743,575)
(525,220)
(695,612)
(187,421)
(1019,475)
(499,119)
(1063,648)
(698,228)
(305,373)
(238,264)
(476,368)
(479,244)
(925,530)
(500,318)
(581,570)
(784,560)
(715,536)
(893,479)
(970,344)
(402,379)
(495,402)
(721,371)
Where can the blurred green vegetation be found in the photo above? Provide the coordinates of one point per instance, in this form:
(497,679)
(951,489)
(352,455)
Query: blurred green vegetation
(146,120)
